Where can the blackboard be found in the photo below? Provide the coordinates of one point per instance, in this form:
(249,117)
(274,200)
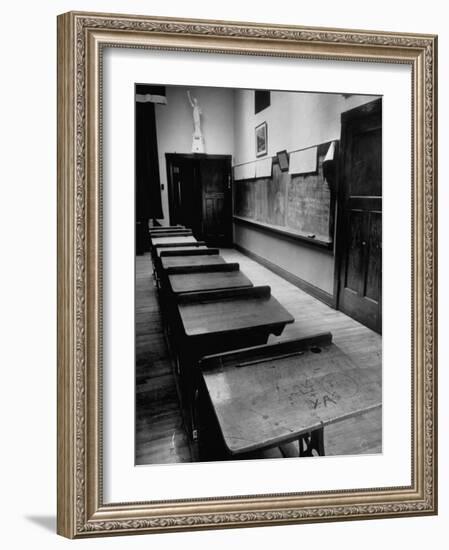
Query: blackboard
(300,204)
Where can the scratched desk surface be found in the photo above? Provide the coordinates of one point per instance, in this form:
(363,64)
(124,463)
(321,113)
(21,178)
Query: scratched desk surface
(195,282)
(262,404)
(231,311)
(171,262)
(175,239)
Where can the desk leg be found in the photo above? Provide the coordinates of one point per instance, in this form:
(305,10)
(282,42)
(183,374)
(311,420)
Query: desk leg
(312,441)
(194,413)
(186,371)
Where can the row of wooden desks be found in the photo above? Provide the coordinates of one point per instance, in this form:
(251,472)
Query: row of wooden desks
(171,244)
(209,306)
(258,396)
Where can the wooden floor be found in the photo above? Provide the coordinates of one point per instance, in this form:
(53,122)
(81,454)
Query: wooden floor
(160,437)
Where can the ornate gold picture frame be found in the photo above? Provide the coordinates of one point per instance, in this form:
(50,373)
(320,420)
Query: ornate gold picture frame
(82,38)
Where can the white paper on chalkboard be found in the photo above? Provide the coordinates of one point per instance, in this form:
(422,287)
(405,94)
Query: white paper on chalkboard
(245,171)
(303,162)
(330,152)
(263,168)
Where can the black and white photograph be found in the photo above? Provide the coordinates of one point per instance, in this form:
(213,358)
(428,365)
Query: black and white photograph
(258,274)
(223,293)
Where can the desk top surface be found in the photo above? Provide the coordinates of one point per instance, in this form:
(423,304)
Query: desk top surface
(174,239)
(261,404)
(180,233)
(195,282)
(186,261)
(228,315)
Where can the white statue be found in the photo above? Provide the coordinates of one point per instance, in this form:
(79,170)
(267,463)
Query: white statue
(197,137)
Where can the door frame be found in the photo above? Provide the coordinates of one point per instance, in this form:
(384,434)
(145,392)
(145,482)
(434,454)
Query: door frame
(352,114)
(170,157)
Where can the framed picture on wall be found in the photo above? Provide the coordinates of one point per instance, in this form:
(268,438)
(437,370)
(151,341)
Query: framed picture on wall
(217,341)
(261,133)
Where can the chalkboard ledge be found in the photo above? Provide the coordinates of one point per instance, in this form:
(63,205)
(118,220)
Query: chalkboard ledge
(318,241)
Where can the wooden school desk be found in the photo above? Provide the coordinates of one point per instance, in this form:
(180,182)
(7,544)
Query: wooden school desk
(173,249)
(186,250)
(173,240)
(165,227)
(187,280)
(180,233)
(153,231)
(271,395)
(194,261)
(178,249)
(219,277)
(214,321)
(228,319)
(170,233)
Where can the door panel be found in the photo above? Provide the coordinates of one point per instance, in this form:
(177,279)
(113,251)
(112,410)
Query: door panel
(366,177)
(359,244)
(374,271)
(185,195)
(354,259)
(215,180)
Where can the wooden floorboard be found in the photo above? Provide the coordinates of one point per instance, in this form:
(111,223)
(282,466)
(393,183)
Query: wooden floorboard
(160,437)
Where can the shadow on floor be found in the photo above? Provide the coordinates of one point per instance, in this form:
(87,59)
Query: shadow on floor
(46,522)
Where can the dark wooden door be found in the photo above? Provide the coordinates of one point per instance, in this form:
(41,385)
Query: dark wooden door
(199,193)
(184,193)
(359,245)
(216,199)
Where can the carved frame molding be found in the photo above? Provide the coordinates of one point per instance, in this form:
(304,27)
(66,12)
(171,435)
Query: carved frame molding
(81,39)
